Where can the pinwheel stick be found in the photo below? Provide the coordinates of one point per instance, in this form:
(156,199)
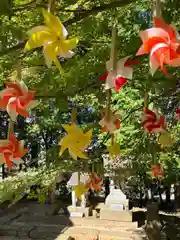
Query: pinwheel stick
(18,70)
(51,5)
(10,128)
(146,99)
(157,8)
(73,115)
(113,66)
(73,120)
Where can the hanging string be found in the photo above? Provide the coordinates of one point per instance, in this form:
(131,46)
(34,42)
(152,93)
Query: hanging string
(112,69)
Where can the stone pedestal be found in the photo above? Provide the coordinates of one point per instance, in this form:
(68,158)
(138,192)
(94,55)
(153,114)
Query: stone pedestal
(116,199)
(78,208)
(79,211)
(116,206)
(122,216)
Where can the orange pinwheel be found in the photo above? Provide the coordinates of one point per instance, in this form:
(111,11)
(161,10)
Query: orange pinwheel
(111,123)
(94,182)
(163,43)
(11,150)
(157,171)
(16,99)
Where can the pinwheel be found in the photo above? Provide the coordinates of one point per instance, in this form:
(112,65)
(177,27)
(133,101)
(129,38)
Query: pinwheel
(178,114)
(53,38)
(75,141)
(162,42)
(114,150)
(16,99)
(94,182)
(117,78)
(157,171)
(165,140)
(153,123)
(11,150)
(110,123)
(79,190)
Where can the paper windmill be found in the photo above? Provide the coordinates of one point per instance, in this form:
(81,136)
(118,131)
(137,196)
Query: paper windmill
(153,123)
(157,171)
(94,182)
(79,190)
(11,150)
(75,141)
(165,140)
(111,123)
(114,150)
(117,78)
(178,114)
(16,99)
(53,38)
(162,42)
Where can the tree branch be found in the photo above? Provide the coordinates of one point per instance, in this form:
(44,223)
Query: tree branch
(78,15)
(86,13)
(23,7)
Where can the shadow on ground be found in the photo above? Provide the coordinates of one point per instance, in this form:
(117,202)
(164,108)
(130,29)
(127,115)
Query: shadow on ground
(32,221)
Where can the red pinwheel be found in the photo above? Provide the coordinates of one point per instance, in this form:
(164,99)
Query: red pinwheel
(153,123)
(11,150)
(163,43)
(157,171)
(178,114)
(16,99)
(118,78)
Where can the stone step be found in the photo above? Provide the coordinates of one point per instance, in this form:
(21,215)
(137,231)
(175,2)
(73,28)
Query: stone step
(87,233)
(20,231)
(65,221)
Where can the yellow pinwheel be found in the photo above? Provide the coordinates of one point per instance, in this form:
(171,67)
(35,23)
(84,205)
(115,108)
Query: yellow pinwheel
(79,190)
(114,150)
(53,38)
(75,141)
(166,140)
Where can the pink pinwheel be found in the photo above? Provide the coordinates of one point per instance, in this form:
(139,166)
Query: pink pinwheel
(153,123)
(11,150)
(118,78)
(162,42)
(178,114)
(16,99)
